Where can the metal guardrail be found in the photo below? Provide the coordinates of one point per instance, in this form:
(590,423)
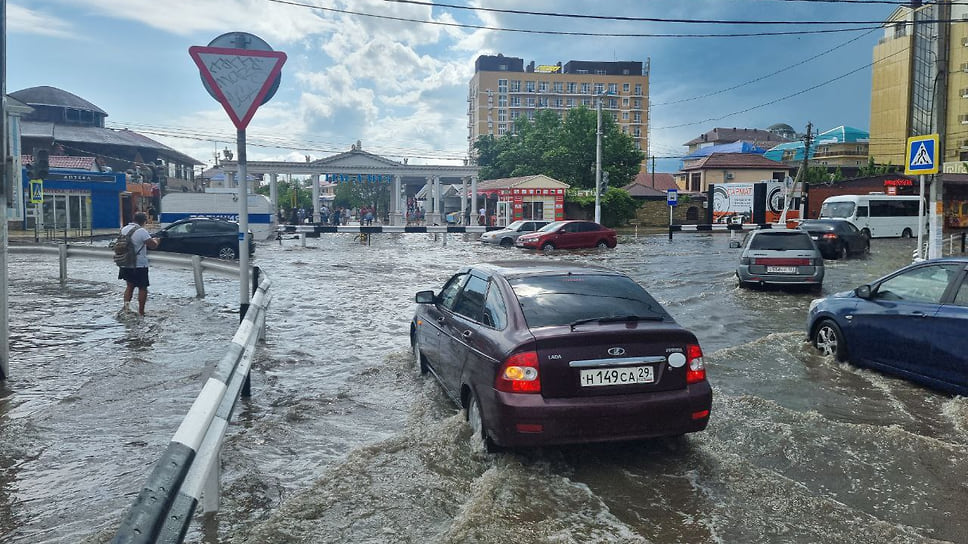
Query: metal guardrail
(188,471)
(196,263)
(953,241)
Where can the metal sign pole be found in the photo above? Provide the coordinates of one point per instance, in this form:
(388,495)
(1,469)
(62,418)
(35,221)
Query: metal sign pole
(243,193)
(921,220)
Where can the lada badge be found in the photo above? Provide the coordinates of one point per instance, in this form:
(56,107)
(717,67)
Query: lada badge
(615,352)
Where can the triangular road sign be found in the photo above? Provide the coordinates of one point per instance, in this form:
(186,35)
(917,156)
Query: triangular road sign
(240,78)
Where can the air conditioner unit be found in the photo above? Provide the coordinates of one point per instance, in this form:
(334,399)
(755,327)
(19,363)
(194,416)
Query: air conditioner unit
(729,175)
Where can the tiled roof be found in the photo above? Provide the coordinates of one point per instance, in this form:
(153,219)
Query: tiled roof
(98,136)
(512,182)
(65,161)
(52,96)
(727,135)
(662,181)
(737,161)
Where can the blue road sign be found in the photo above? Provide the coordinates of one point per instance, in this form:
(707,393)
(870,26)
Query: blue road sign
(672,197)
(922,154)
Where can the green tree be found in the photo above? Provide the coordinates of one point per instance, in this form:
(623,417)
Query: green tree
(618,207)
(291,194)
(365,193)
(561,148)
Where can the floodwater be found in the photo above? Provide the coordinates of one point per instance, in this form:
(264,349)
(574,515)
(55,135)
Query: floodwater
(342,441)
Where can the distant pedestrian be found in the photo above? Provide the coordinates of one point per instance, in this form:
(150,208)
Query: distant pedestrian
(482,217)
(137,276)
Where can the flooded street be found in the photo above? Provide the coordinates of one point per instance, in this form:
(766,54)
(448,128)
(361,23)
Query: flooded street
(342,441)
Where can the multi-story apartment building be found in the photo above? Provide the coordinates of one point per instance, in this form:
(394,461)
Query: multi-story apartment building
(903,82)
(504,89)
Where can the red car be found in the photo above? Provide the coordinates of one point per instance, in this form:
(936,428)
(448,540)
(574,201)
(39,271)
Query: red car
(568,235)
(545,353)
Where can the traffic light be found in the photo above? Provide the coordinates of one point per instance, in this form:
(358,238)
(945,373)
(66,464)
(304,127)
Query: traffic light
(41,166)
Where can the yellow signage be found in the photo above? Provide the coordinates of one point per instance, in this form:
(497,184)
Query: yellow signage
(547,68)
(36,191)
(922,155)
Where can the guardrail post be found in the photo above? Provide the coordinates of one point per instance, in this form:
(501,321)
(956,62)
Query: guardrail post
(211,490)
(963,235)
(199,282)
(62,253)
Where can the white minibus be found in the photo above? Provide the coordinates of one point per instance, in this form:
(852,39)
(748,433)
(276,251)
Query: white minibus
(877,215)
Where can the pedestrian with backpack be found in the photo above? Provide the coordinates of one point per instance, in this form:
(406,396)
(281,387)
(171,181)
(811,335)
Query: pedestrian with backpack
(132,260)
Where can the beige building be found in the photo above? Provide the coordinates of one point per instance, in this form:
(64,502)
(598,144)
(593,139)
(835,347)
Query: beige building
(696,176)
(504,89)
(899,81)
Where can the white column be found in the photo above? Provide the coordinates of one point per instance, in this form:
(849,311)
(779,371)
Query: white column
(463,200)
(438,202)
(315,179)
(396,217)
(274,197)
(230,181)
(474,206)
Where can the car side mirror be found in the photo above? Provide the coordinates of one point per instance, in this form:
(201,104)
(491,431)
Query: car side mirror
(425,297)
(864,292)
(734,244)
(161,234)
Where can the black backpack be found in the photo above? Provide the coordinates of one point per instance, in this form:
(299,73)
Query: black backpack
(124,254)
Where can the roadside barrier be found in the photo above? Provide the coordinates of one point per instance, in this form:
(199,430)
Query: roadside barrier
(399,229)
(188,472)
(724,227)
(196,263)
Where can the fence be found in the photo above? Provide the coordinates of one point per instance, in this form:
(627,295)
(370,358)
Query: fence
(188,471)
(196,263)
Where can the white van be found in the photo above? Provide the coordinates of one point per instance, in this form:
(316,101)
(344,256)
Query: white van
(877,215)
(220,205)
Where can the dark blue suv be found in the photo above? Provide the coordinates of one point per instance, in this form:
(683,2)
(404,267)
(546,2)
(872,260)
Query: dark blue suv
(911,323)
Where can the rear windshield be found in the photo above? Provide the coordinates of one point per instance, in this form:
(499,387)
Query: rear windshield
(782,240)
(563,300)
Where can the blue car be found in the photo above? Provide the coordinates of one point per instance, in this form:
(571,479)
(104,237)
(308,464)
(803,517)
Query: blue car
(911,323)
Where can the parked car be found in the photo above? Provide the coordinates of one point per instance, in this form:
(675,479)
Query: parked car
(558,353)
(836,238)
(779,257)
(568,235)
(910,323)
(203,236)
(506,236)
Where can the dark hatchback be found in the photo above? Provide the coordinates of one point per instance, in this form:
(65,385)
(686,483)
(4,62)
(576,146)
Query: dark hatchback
(202,236)
(556,353)
(836,238)
(911,323)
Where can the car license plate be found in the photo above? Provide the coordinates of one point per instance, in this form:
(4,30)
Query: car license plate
(617,376)
(781,270)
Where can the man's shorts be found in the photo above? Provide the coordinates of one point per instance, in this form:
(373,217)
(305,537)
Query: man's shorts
(135,276)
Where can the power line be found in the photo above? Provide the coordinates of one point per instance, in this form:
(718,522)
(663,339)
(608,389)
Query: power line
(624,18)
(750,82)
(593,34)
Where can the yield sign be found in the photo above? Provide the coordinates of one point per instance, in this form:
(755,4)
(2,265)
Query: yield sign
(240,78)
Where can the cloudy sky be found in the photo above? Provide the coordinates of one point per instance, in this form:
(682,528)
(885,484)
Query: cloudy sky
(393,74)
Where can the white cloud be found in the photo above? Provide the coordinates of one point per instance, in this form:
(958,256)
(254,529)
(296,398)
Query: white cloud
(27,21)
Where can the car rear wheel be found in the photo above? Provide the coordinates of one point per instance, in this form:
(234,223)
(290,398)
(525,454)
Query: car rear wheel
(548,246)
(507,242)
(602,244)
(842,252)
(479,439)
(906,233)
(227,252)
(829,340)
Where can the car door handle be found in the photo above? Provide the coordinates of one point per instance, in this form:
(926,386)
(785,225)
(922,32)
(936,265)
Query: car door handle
(467,333)
(440,319)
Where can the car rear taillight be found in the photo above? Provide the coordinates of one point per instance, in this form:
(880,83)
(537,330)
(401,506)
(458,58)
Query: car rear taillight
(830,236)
(519,374)
(695,368)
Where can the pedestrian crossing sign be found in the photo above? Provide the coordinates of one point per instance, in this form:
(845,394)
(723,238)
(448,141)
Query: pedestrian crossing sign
(922,154)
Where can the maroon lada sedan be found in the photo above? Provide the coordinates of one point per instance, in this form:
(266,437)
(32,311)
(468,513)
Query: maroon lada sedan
(568,235)
(545,353)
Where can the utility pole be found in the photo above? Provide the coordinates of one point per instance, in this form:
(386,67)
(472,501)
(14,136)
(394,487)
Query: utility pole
(598,164)
(936,217)
(807,140)
(801,178)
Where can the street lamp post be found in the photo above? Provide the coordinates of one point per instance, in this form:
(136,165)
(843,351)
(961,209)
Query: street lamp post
(598,164)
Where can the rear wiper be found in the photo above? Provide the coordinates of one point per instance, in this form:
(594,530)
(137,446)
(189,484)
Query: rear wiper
(616,318)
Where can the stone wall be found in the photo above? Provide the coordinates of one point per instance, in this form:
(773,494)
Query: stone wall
(655,213)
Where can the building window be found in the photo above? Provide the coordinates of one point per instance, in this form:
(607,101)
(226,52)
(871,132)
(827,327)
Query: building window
(900,29)
(625,87)
(599,72)
(543,86)
(559,102)
(502,86)
(637,132)
(613,88)
(502,129)
(599,88)
(637,103)
(586,102)
(530,115)
(625,102)
(502,101)
(558,86)
(502,68)
(570,102)
(637,118)
(625,116)
(502,116)
(529,86)
(542,102)
(530,102)
(515,85)
(613,103)
(638,89)
(515,114)
(585,88)
(572,87)
(515,101)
